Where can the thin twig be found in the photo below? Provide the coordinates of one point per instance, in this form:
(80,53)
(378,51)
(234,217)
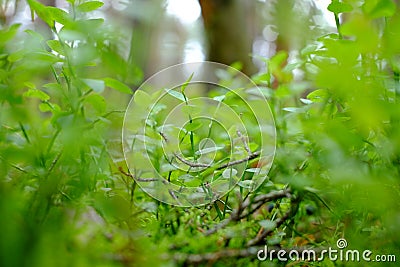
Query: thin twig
(235,162)
(246,146)
(174,196)
(260,237)
(223,166)
(278,222)
(138,179)
(191,164)
(267,197)
(236,215)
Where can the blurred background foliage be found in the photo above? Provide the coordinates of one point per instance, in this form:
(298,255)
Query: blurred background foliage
(67,72)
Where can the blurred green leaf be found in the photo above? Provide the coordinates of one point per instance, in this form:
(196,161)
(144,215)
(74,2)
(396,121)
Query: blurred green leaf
(193,126)
(42,11)
(379,8)
(142,98)
(268,225)
(186,83)
(89,6)
(319,95)
(117,85)
(43,57)
(97,101)
(209,150)
(58,15)
(16,56)
(186,178)
(247,184)
(176,94)
(56,46)
(191,109)
(338,7)
(6,34)
(97,85)
(34,93)
(229,173)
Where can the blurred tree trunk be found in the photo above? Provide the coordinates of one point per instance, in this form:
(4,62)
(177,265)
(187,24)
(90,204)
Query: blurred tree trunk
(229,31)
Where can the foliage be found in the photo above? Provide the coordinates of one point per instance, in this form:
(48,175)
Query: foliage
(67,198)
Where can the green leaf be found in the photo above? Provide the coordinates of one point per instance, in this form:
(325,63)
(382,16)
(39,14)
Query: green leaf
(42,11)
(209,150)
(191,109)
(306,101)
(319,95)
(117,85)
(379,8)
(43,56)
(97,85)
(168,168)
(177,95)
(48,107)
(86,26)
(53,86)
(190,127)
(186,177)
(56,46)
(18,55)
(97,102)
(229,172)
(292,109)
(142,98)
(50,14)
(257,171)
(8,34)
(72,34)
(253,170)
(89,6)
(219,98)
(186,83)
(112,208)
(309,49)
(247,184)
(277,60)
(338,7)
(58,15)
(267,224)
(34,93)
(34,34)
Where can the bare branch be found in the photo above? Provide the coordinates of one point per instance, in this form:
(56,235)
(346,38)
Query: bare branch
(235,162)
(203,165)
(278,222)
(236,215)
(137,179)
(191,164)
(246,146)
